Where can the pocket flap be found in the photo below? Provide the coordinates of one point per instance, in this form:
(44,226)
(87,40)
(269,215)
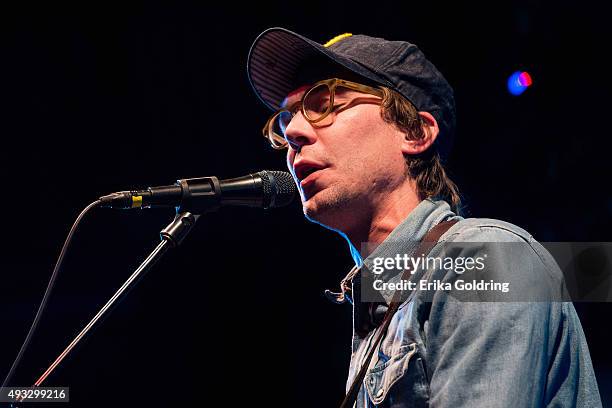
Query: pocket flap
(380,379)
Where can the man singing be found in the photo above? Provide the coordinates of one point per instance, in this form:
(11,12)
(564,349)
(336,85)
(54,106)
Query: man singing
(368,124)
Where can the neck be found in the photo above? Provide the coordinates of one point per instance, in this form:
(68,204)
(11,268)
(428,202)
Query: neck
(384,216)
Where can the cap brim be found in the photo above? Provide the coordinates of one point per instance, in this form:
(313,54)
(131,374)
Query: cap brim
(277,56)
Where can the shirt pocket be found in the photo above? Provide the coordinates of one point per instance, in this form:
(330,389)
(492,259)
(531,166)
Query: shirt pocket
(400,380)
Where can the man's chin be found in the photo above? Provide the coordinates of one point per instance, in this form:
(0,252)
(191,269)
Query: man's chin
(324,209)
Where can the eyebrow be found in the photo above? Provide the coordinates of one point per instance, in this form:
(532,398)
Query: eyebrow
(293,93)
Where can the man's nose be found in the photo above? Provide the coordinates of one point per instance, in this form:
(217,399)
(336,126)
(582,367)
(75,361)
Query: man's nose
(300,132)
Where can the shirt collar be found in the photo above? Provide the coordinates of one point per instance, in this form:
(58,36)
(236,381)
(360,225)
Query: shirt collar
(403,239)
(407,235)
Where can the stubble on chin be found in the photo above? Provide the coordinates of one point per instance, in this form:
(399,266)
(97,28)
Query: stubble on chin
(328,207)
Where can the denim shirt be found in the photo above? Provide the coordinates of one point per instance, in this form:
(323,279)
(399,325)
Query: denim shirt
(443,352)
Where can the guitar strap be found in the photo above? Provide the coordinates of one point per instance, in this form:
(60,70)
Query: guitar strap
(425,246)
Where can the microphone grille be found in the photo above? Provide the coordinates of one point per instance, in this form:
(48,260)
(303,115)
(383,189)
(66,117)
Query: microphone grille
(278,186)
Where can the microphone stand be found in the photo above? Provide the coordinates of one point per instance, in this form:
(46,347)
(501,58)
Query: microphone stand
(171,236)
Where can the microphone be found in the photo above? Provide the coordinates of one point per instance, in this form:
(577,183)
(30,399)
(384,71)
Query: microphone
(266,189)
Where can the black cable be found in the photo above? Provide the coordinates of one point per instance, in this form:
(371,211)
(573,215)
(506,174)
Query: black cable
(45,298)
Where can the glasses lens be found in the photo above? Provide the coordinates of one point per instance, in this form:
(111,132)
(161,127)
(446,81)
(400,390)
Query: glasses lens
(276,133)
(317,102)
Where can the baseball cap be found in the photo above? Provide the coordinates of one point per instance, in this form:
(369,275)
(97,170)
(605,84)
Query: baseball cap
(279,58)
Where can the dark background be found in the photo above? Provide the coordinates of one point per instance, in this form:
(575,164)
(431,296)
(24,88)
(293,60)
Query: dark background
(104,97)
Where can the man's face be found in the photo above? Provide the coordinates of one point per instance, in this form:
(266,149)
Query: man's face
(344,169)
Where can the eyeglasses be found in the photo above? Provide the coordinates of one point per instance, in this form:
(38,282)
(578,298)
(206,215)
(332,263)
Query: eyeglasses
(316,105)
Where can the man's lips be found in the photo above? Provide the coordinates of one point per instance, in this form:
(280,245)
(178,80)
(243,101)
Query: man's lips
(307,172)
(310,179)
(304,168)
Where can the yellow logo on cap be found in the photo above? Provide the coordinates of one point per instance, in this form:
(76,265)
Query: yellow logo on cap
(336,39)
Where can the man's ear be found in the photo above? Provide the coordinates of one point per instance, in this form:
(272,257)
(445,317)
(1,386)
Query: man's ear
(430,133)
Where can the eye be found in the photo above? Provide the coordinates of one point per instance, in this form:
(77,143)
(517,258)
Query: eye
(294,109)
(322,108)
(317,99)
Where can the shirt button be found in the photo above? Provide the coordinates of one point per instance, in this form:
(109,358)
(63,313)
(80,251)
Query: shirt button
(379,393)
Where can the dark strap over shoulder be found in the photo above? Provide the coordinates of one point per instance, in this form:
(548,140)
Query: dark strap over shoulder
(425,246)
